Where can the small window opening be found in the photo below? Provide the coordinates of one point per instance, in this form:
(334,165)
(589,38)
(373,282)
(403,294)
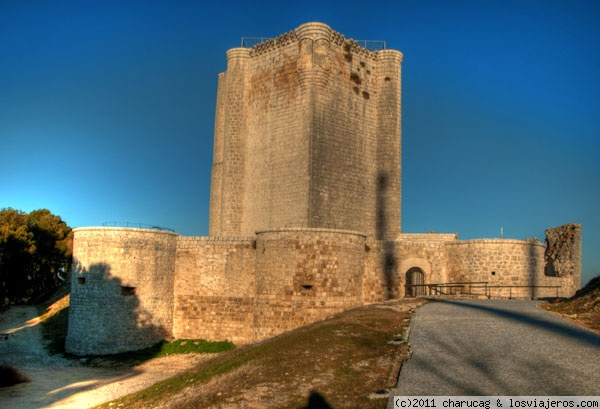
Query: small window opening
(80,280)
(306,289)
(127,290)
(493,273)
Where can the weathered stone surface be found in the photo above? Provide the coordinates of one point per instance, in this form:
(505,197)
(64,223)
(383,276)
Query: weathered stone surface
(121,289)
(307,134)
(304,215)
(563,250)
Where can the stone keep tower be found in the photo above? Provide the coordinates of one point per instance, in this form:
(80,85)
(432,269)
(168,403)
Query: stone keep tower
(307,134)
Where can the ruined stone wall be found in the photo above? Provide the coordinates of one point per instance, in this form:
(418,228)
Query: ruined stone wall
(299,141)
(304,275)
(214,289)
(121,289)
(563,250)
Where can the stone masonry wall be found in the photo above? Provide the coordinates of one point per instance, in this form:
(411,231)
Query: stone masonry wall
(304,275)
(214,289)
(133,287)
(299,141)
(501,262)
(381,280)
(121,289)
(343,134)
(276,192)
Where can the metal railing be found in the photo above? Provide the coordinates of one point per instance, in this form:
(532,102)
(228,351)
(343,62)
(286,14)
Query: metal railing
(136,225)
(461,287)
(371,45)
(528,294)
(479,288)
(249,42)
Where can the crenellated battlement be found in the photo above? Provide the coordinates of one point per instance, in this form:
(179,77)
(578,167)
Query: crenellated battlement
(313,31)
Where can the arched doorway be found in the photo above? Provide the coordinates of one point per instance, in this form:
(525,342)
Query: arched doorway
(415,278)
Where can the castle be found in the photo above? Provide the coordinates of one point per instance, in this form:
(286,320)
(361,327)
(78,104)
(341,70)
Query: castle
(305,215)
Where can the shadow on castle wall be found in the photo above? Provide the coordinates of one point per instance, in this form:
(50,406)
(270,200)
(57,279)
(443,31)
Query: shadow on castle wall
(389,263)
(107,315)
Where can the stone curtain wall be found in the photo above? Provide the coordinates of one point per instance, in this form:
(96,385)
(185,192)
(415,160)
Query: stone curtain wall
(134,287)
(501,262)
(215,289)
(121,289)
(304,275)
(299,139)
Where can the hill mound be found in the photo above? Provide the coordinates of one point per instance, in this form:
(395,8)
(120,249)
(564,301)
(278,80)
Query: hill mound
(583,307)
(347,361)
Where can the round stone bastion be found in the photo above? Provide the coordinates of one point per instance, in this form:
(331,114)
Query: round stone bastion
(304,275)
(121,289)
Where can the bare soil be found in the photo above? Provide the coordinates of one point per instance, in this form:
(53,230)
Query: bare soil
(59,382)
(583,308)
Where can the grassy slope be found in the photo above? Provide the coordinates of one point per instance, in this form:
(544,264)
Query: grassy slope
(340,360)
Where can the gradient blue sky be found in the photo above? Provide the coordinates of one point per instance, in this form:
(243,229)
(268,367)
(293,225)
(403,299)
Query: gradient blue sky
(107,108)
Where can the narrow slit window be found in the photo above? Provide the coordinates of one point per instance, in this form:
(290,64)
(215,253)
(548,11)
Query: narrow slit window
(80,280)
(125,290)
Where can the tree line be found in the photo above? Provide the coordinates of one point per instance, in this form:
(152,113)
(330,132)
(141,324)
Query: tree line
(35,254)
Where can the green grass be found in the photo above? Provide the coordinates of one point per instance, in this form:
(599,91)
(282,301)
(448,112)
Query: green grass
(161,349)
(54,317)
(198,346)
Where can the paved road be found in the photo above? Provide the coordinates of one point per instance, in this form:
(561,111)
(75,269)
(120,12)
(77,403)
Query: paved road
(498,347)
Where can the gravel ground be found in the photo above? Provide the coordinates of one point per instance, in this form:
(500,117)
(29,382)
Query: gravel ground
(57,382)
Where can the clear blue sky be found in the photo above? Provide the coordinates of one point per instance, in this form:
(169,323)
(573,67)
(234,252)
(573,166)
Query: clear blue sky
(107,108)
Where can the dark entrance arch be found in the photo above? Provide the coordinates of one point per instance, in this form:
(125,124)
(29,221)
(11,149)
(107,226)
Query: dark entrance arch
(415,278)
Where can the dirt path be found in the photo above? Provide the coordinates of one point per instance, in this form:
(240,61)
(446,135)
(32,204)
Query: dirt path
(57,382)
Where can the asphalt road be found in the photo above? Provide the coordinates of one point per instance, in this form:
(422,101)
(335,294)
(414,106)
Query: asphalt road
(500,348)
